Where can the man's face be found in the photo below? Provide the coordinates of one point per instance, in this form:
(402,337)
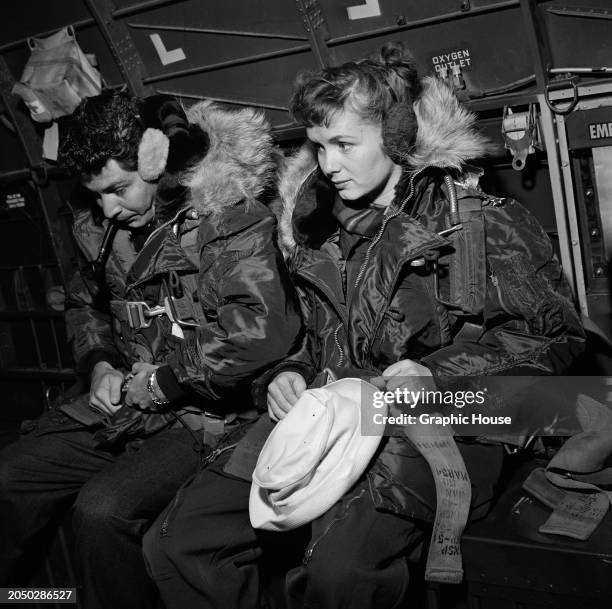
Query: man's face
(123,195)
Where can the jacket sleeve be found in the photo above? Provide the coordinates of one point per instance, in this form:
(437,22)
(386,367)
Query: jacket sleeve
(529,324)
(252,315)
(88,326)
(301,359)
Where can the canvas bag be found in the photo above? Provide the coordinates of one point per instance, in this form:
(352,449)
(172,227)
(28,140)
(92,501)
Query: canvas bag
(57,76)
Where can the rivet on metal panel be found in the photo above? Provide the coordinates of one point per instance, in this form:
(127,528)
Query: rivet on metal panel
(401,20)
(465,5)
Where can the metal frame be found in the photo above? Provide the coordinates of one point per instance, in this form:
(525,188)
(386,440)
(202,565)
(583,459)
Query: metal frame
(572,216)
(314,23)
(51,202)
(460,14)
(590,96)
(225,64)
(122,46)
(547,123)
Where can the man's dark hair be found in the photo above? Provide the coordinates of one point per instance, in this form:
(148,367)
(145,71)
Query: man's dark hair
(107,126)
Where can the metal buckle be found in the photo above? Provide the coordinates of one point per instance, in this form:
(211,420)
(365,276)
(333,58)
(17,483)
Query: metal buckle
(170,310)
(139,314)
(213,423)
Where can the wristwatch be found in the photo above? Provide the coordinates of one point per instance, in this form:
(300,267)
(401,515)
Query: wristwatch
(155,392)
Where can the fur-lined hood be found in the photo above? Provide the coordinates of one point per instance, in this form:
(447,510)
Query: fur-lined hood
(446,138)
(240,163)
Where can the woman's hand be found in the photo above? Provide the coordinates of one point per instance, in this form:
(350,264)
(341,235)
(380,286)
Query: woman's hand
(105,388)
(137,395)
(395,375)
(283,393)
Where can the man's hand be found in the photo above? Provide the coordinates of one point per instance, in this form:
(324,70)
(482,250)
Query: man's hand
(283,393)
(105,389)
(137,395)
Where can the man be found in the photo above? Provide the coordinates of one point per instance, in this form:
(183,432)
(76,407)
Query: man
(187,301)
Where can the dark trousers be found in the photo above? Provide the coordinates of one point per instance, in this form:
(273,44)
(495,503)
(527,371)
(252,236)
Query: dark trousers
(203,553)
(115,498)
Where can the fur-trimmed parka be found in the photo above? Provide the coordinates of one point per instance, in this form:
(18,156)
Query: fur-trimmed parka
(216,264)
(486,297)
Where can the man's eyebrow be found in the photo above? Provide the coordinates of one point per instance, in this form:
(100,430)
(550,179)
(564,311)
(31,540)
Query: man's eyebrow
(113,186)
(341,138)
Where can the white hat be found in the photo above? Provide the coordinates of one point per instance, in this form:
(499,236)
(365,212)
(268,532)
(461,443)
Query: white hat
(314,455)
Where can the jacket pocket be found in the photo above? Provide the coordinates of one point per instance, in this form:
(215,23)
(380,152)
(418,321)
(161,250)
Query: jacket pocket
(54,421)
(525,293)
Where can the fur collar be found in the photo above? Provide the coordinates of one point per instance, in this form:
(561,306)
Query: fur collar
(240,163)
(446,138)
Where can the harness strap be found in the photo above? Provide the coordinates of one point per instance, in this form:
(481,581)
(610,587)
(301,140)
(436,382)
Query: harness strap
(453,498)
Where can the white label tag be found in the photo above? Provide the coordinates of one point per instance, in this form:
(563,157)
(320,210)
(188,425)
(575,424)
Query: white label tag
(370,8)
(166,57)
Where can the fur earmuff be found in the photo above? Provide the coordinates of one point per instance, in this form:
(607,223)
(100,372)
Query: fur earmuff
(152,154)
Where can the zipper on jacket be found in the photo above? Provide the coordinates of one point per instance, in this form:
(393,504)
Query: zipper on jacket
(340,349)
(323,288)
(381,230)
(344,320)
(163,529)
(495,282)
(313,544)
(368,347)
(216,453)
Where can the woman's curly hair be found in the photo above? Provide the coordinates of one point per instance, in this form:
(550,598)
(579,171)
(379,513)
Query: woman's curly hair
(370,87)
(107,126)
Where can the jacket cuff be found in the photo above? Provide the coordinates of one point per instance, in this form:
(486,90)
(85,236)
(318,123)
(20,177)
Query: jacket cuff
(168,383)
(86,364)
(259,388)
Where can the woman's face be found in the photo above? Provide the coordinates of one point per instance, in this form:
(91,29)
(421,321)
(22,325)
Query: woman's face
(350,153)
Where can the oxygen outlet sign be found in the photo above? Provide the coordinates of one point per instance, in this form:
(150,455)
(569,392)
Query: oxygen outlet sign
(459,56)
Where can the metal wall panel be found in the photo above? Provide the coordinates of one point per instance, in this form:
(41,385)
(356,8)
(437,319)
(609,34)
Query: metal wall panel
(35,17)
(486,46)
(348,17)
(242,53)
(579,32)
(259,18)
(266,83)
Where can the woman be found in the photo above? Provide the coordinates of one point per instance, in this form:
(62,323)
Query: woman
(364,203)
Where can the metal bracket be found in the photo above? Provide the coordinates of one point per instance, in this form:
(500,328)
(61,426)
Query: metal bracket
(316,27)
(140,314)
(520,133)
(122,46)
(556,84)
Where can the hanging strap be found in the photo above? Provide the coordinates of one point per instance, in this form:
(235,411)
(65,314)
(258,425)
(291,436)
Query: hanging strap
(453,499)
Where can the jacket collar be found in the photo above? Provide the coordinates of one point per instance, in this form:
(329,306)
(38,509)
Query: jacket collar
(446,139)
(161,253)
